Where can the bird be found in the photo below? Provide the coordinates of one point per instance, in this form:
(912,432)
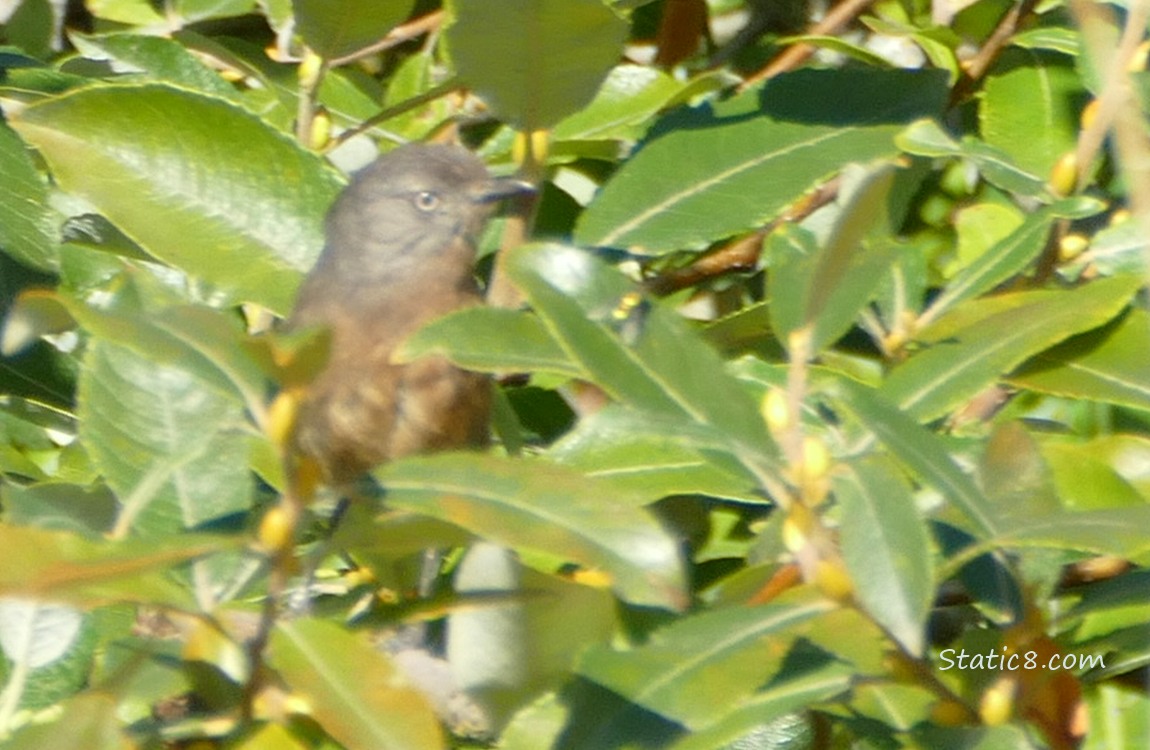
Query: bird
(399,252)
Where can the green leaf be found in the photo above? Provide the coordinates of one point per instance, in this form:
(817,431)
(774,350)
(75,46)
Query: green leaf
(625,103)
(1030,108)
(193,11)
(548,509)
(26,223)
(163,60)
(633,451)
(88,720)
(667,370)
(696,668)
(1119,248)
(1009,255)
(62,566)
(31,26)
(195,181)
(978,353)
(756,717)
(1121,715)
(490,339)
(1104,472)
(886,550)
(821,290)
(171,447)
(1108,365)
(917,448)
(542,61)
(130,12)
(334,28)
(689,187)
(1112,531)
(1053,38)
(199,340)
(926,138)
(354,691)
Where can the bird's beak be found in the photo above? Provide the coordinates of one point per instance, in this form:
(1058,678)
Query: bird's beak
(501,188)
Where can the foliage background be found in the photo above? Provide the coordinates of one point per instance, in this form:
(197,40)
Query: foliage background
(907,413)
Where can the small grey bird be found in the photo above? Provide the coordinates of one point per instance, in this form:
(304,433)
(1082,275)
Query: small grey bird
(400,252)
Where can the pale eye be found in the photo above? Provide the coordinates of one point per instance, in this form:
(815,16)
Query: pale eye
(425,200)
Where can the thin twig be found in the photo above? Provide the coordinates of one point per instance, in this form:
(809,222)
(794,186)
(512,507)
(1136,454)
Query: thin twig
(306,109)
(406,105)
(796,54)
(977,67)
(1130,137)
(395,37)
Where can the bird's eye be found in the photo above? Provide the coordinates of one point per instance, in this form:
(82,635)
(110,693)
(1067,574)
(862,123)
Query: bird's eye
(426,200)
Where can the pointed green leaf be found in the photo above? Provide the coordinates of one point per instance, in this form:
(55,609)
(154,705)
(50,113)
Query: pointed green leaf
(886,550)
(757,716)
(1113,531)
(355,692)
(689,187)
(334,28)
(917,448)
(1010,255)
(1109,366)
(549,509)
(926,138)
(196,182)
(1030,107)
(823,288)
(572,45)
(694,669)
(634,451)
(713,171)
(26,226)
(940,378)
(162,60)
(491,339)
(63,566)
(171,447)
(665,369)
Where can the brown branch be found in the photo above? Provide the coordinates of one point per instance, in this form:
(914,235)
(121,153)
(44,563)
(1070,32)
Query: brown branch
(742,253)
(397,36)
(977,67)
(406,105)
(834,21)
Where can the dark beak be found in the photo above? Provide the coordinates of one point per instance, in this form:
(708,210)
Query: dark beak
(501,188)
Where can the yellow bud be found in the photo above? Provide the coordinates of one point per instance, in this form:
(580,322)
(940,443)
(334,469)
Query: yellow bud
(775,411)
(1064,175)
(320,129)
(297,704)
(281,417)
(1121,216)
(1089,114)
(816,459)
(1071,246)
(797,528)
(308,69)
(540,144)
(1137,62)
(359,577)
(997,704)
(899,667)
(275,532)
(949,714)
(593,577)
(833,580)
(539,141)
